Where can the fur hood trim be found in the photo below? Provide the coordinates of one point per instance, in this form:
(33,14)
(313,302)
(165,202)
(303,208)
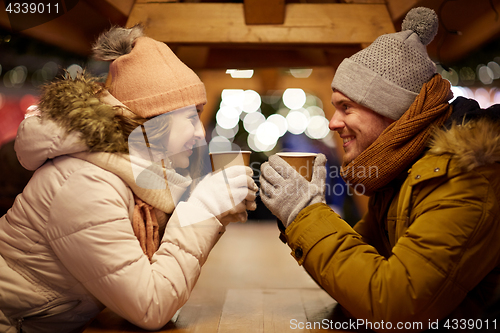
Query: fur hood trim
(473,144)
(75,105)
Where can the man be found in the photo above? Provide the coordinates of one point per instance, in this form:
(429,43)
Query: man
(427,250)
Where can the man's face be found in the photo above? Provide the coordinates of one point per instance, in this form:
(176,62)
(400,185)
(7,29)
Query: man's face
(357,125)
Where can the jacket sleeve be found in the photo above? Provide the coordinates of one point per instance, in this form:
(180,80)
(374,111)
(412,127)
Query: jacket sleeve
(449,248)
(91,233)
(371,233)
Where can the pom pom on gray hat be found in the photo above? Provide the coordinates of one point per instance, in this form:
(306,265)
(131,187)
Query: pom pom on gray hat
(387,75)
(424,22)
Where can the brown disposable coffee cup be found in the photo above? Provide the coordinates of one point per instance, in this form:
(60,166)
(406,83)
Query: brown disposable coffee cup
(302,162)
(226,159)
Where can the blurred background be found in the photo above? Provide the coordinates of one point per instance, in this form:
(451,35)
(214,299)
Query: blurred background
(267,65)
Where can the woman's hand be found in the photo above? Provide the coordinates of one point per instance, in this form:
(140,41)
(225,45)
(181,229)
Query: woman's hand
(227,194)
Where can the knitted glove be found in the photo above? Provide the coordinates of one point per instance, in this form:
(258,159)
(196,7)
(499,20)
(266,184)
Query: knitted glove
(285,192)
(226,194)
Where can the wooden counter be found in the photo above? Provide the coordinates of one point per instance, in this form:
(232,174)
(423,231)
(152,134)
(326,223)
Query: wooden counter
(249,284)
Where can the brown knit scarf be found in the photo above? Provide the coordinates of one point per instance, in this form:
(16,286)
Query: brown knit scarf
(146,227)
(403,141)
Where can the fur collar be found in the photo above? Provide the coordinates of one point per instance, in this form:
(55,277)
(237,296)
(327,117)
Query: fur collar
(76,106)
(472,144)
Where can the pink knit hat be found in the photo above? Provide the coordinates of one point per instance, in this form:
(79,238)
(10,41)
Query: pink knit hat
(146,75)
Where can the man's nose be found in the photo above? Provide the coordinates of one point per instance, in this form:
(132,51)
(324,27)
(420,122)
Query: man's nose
(337,122)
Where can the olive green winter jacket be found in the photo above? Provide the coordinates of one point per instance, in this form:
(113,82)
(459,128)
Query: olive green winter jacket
(429,246)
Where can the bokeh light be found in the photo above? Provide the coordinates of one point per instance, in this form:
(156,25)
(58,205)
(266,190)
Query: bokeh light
(301,73)
(317,128)
(226,132)
(252,121)
(482,96)
(256,145)
(240,73)
(312,100)
(233,97)
(451,76)
(16,77)
(297,122)
(495,69)
(457,91)
(46,73)
(50,70)
(280,123)
(467,76)
(74,69)
(267,133)
(219,143)
(227,117)
(496,97)
(294,98)
(251,101)
(315,111)
(485,74)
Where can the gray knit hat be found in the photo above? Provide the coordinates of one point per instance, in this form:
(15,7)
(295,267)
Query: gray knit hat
(388,75)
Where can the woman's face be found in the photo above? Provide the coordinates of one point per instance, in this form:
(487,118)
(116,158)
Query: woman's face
(186,130)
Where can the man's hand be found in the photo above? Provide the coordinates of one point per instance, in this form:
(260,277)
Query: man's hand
(285,192)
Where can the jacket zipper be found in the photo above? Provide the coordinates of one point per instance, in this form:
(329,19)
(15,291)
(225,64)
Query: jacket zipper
(74,303)
(19,326)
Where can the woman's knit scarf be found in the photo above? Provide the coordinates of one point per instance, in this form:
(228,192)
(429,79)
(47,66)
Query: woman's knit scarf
(155,191)
(146,227)
(401,142)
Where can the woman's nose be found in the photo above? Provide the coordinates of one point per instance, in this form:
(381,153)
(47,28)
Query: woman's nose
(337,122)
(199,132)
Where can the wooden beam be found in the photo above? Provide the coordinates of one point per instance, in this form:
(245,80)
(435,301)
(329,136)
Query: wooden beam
(336,55)
(74,31)
(4,18)
(398,8)
(207,23)
(239,57)
(365,1)
(193,56)
(242,58)
(158,1)
(108,9)
(471,38)
(69,31)
(123,6)
(264,11)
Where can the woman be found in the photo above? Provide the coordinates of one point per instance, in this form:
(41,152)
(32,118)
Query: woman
(101,222)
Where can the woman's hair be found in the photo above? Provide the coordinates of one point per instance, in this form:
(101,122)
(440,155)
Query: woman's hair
(147,139)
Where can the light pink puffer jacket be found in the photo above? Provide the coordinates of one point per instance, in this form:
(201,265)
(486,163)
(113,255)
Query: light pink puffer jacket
(67,248)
